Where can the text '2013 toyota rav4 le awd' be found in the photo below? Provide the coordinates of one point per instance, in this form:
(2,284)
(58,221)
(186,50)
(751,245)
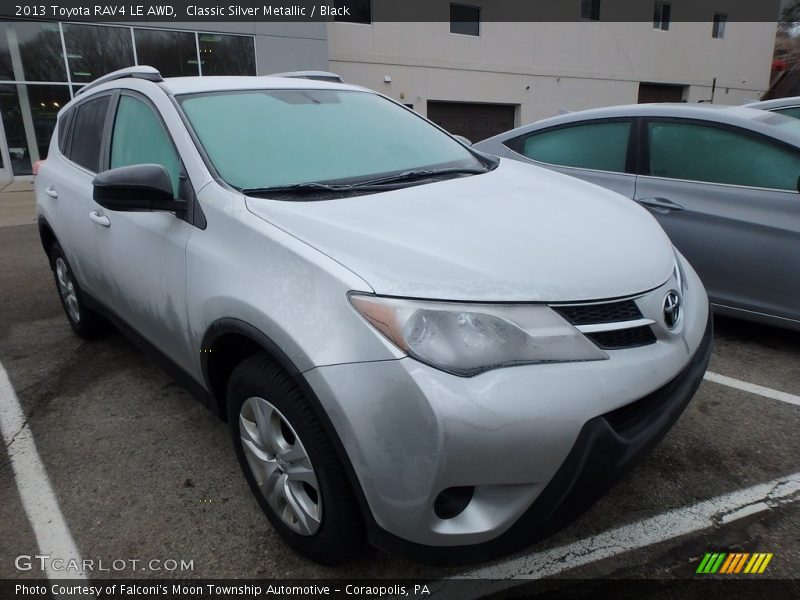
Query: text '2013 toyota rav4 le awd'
(410,341)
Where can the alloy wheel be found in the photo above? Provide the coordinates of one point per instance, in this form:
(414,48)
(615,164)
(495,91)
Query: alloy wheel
(280,465)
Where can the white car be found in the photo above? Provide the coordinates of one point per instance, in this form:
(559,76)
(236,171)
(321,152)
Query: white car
(412,342)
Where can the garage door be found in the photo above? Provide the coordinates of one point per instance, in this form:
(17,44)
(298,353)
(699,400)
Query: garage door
(475,122)
(657,92)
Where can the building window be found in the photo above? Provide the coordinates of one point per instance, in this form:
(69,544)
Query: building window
(39,47)
(173,53)
(465,20)
(590,9)
(719,26)
(94,50)
(661,16)
(360,11)
(226,54)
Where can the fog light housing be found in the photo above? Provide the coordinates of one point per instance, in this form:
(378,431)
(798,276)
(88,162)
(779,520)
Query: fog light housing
(452,501)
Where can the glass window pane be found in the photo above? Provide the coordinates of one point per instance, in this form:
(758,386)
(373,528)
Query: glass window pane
(601,146)
(93,51)
(703,153)
(270,138)
(6,70)
(87,133)
(15,130)
(227,54)
(40,51)
(45,102)
(173,53)
(465,19)
(140,138)
(789,112)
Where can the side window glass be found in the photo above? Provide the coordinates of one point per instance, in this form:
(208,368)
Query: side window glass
(87,133)
(600,146)
(140,138)
(793,111)
(703,153)
(63,127)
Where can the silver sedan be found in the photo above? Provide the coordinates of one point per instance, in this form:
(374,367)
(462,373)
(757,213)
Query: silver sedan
(722,181)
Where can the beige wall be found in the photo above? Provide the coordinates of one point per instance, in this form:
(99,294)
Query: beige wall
(545,67)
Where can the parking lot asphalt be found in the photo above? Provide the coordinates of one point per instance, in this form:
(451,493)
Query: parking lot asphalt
(141,470)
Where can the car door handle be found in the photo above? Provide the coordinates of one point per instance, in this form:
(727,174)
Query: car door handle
(662,205)
(51,191)
(101,220)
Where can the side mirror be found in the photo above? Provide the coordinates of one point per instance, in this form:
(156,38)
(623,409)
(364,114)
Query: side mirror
(463,140)
(136,187)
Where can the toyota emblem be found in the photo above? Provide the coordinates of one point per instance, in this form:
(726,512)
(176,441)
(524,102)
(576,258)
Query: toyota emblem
(672,309)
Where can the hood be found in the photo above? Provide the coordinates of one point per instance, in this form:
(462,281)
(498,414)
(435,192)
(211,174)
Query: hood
(518,233)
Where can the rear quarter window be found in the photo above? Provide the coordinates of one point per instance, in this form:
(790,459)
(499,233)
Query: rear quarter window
(87,132)
(63,129)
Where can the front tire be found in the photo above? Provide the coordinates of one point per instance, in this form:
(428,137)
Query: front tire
(290,464)
(84,321)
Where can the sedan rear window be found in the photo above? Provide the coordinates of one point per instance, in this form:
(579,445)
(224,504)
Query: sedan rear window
(270,138)
(599,146)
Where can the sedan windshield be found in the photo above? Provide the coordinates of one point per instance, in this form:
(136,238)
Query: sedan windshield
(264,139)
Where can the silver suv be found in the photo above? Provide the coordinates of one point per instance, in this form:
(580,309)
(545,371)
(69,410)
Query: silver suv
(411,341)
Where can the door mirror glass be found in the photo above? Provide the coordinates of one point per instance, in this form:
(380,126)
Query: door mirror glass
(136,187)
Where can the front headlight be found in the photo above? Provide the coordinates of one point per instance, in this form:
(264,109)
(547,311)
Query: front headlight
(467,339)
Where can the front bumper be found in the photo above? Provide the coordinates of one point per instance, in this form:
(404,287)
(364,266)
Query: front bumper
(538,443)
(606,448)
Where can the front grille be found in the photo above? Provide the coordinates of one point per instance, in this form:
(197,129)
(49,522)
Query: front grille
(592,314)
(623,338)
(615,319)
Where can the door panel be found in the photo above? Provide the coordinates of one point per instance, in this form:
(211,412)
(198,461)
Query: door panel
(743,242)
(728,199)
(622,183)
(143,253)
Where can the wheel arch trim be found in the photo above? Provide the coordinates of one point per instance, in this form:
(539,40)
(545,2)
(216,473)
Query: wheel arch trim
(226,326)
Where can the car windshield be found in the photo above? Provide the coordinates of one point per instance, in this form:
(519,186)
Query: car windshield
(261,139)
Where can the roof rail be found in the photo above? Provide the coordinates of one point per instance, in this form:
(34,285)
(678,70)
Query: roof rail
(315,75)
(140,72)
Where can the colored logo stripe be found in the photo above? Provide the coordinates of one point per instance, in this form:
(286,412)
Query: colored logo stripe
(734,563)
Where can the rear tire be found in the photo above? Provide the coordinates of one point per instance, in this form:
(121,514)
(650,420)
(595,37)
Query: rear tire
(84,321)
(290,463)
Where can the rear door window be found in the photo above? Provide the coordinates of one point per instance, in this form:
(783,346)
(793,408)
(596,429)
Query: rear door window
(699,152)
(87,133)
(598,146)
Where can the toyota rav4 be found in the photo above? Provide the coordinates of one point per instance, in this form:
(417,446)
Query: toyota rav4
(412,342)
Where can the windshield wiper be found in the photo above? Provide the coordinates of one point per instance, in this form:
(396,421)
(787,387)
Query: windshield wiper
(300,188)
(378,183)
(416,174)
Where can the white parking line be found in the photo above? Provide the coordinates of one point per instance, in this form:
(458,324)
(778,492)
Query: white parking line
(661,528)
(752,388)
(38,499)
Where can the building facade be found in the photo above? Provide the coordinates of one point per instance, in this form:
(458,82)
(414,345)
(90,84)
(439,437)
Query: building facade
(42,64)
(480,78)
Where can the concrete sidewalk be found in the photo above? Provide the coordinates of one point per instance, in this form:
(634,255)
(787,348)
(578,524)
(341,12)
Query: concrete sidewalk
(17,204)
